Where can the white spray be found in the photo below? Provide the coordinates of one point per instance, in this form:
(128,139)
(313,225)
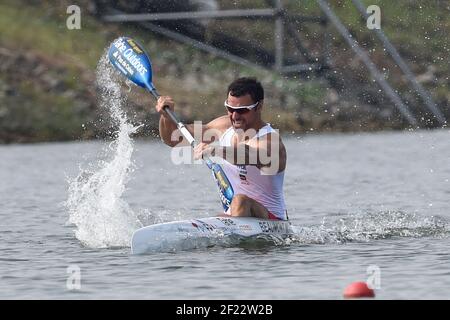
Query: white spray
(102,217)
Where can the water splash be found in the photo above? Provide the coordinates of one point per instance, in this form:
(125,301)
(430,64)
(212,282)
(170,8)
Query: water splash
(102,217)
(360,227)
(372,226)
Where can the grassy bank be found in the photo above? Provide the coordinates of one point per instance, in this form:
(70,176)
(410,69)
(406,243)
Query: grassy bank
(47,72)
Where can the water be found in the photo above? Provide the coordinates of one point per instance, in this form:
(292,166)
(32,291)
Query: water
(369,199)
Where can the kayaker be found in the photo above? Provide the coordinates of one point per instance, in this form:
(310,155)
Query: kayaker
(254,154)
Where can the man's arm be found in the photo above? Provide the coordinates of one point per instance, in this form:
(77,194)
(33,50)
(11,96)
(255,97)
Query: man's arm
(166,129)
(267,153)
(166,125)
(171,136)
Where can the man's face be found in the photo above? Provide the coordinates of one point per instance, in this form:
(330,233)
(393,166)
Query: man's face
(241,120)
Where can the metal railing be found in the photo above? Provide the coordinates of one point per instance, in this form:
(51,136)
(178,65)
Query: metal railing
(284,27)
(277,59)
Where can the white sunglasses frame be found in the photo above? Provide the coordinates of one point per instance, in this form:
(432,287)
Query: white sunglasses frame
(249,107)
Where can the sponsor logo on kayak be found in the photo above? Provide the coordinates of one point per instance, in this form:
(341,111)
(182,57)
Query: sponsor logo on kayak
(203,226)
(245,227)
(274,227)
(228,222)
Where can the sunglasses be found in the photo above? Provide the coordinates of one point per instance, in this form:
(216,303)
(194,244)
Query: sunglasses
(241,109)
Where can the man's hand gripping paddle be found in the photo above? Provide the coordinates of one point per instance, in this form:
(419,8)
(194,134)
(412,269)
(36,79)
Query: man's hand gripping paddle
(130,59)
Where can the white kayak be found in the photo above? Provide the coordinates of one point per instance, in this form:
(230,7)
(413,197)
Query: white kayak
(194,233)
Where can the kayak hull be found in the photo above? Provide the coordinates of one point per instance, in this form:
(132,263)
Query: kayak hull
(194,233)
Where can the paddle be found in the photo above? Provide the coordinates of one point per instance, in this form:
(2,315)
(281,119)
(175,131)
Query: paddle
(131,60)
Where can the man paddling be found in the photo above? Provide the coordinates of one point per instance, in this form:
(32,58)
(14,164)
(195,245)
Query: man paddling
(254,154)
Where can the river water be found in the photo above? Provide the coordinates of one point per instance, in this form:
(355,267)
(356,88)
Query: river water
(367,207)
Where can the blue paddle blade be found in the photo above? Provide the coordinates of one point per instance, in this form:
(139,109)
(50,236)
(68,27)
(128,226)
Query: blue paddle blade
(131,60)
(226,191)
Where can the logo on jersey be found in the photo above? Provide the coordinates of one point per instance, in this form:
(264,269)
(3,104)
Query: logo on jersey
(243,173)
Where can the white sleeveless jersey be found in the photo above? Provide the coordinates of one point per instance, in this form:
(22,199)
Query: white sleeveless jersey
(248,180)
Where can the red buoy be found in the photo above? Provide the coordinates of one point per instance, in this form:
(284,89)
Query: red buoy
(358,290)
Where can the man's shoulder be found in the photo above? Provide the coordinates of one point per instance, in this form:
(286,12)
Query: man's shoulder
(221,123)
(271,133)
